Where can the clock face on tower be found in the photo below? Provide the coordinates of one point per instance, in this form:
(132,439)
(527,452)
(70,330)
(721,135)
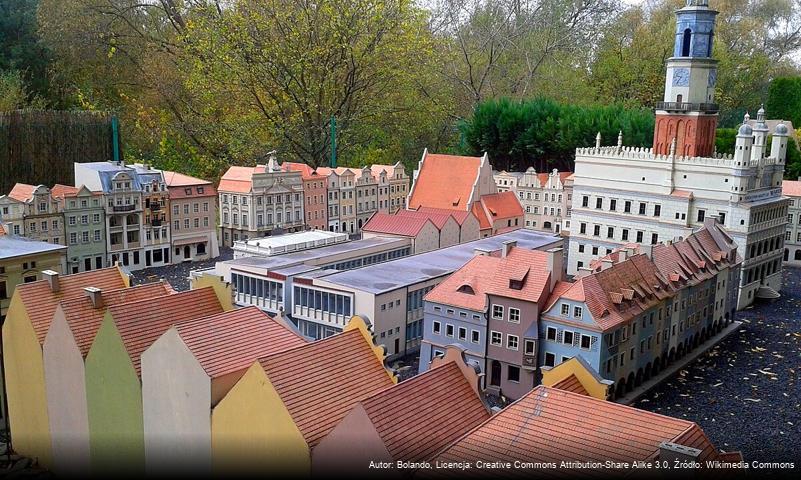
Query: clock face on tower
(681,77)
(713,78)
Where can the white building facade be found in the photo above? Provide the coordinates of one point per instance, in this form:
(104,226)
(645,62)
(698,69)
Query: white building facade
(650,195)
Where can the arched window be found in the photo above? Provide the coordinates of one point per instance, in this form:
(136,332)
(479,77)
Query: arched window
(685,43)
(798,254)
(466,289)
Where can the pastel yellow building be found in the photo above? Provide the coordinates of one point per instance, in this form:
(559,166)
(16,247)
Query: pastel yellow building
(26,325)
(286,403)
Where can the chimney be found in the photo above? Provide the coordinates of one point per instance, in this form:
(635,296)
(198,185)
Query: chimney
(95,295)
(712,221)
(478,251)
(583,272)
(507,247)
(606,263)
(670,451)
(622,255)
(556,265)
(648,250)
(52,279)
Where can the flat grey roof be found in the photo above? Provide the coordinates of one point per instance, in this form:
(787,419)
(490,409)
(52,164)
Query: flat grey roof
(388,276)
(13,246)
(295,258)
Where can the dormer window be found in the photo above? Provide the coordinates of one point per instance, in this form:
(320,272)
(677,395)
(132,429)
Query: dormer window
(466,289)
(516,284)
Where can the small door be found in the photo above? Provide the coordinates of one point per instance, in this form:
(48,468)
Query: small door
(187,252)
(397,345)
(147,258)
(495,374)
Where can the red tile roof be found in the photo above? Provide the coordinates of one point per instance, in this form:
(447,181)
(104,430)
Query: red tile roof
(177,183)
(22,192)
(320,382)
(681,193)
(438,218)
(445,181)
(791,188)
(142,323)
(231,341)
(84,320)
(239,179)
(408,226)
(306,171)
(552,425)
(559,290)
(420,416)
(478,212)
(175,179)
(41,303)
(571,384)
(61,191)
(502,206)
(459,215)
(490,275)
(543,177)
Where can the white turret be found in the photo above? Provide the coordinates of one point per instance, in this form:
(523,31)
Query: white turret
(598,140)
(778,147)
(745,140)
(761,132)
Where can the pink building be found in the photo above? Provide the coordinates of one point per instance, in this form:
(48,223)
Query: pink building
(193,212)
(315,193)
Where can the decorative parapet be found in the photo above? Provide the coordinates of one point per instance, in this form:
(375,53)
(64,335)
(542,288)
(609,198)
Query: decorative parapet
(645,153)
(357,322)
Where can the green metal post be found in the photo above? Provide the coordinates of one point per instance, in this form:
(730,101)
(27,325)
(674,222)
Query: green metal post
(115,138)
(333,142)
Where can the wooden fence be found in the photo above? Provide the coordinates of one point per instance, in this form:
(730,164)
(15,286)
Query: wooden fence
(39,147)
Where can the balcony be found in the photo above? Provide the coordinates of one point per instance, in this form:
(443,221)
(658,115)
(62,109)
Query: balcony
(123,208)
(155,207)
(529,362)
(688,107)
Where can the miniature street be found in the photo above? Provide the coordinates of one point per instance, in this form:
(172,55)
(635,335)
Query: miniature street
(728,389)
(744,391)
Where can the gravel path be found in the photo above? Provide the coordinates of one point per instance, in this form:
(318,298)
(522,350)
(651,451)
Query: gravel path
(177,275)
(746,392)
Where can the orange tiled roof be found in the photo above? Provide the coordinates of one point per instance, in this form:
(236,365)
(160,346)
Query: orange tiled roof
(142,323)
(791,188)
(559,290)
(175,179)
(22,192)
(306,171)
(231,341)
(84,320)
(41,303)
(239,179)
(502,205)
(571,384)
(490,275)
(61,191)
(552,425)
(420,416)
(408,226)
(445,181)
(478,212)
(320,382)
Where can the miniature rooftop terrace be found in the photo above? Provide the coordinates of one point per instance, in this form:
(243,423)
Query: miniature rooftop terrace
(290,242)
(387,276)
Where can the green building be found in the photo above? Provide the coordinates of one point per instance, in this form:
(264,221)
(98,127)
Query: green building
(85,227)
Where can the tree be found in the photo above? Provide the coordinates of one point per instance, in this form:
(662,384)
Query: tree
(545,134)
(290,66)
(784,99)
(512,48)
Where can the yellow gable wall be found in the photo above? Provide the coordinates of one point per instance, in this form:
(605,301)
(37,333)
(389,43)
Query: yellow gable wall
(25,387)
(562,371)
(252,431)
(222,289)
